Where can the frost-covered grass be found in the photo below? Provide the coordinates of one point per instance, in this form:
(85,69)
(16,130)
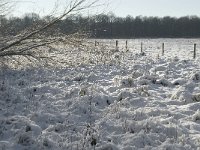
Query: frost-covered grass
(138,102)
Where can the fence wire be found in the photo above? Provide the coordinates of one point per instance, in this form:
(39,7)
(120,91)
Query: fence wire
(181,48)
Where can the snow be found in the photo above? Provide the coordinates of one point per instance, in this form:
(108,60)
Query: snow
(142,102)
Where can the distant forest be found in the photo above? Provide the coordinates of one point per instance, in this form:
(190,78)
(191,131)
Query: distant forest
(109,26)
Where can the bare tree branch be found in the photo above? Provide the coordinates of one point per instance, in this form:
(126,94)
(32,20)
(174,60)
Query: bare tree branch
(74,7)
(35,45)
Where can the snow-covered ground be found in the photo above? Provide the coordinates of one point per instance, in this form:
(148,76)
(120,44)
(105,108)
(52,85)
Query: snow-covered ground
(142,102)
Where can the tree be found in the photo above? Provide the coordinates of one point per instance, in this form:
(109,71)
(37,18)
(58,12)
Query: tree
(33,43)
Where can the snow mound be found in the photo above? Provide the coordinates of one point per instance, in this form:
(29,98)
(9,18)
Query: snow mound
(138,103)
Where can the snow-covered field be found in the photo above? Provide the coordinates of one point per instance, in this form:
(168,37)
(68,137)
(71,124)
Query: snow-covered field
(182,48)
(143,102)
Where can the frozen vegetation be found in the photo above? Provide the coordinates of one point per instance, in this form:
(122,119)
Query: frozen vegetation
(140,102)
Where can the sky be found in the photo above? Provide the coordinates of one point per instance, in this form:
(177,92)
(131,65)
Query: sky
(122,8)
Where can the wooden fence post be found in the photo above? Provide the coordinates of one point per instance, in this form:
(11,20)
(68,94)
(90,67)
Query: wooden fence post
(163,49)
(126,44)
(95,43)
(117,42)
(141,47)
(195,46)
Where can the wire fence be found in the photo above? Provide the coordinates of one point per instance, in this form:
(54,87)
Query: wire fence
(181,48)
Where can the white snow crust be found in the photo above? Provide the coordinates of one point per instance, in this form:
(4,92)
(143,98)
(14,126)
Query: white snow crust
(144,102)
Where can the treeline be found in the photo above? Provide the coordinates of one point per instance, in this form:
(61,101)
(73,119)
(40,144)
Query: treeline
(109,26)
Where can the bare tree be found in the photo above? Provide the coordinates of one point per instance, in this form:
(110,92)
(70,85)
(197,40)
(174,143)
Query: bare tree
(34,45)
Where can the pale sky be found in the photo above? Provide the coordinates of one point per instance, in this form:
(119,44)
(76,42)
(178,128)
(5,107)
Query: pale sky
(175,8)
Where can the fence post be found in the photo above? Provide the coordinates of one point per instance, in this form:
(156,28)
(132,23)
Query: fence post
(95,43)
(163,49)
(126,44)
(195,46)
(117,44)
(141,47)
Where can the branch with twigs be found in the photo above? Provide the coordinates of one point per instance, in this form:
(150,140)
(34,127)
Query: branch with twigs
(33,44)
